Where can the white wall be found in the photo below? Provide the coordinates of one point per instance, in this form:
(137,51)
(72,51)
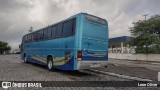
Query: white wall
(145,57)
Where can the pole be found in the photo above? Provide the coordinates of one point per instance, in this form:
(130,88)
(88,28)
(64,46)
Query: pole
(145,16)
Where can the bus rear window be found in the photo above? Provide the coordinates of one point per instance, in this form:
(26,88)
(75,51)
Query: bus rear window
(96,19)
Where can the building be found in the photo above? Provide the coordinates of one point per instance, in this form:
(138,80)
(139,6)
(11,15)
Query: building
(120,45)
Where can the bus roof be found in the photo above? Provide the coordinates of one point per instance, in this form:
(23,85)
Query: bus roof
(82,13)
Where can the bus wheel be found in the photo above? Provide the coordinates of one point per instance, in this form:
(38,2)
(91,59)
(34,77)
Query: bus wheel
(50,64)
(25,59)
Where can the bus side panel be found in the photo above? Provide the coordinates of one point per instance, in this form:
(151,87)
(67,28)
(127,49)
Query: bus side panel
(61,50)
(34,53)
(64,60)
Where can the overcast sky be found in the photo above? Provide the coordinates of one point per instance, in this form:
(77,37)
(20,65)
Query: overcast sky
(16,16)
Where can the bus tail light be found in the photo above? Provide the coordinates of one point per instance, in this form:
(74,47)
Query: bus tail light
(79,55)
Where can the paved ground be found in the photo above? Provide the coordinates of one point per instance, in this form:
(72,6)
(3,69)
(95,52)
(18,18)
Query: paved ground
(155,66)
(135,69)
(13,69)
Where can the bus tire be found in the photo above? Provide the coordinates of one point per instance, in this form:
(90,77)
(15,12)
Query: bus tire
(50,64)
(25,59)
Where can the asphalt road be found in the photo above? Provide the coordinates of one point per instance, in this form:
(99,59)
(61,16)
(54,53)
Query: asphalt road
(12,68)
(133,68)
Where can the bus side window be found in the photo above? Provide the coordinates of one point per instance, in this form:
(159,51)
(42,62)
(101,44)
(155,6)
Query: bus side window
(32,37)
(23,40)
(49,32)
(29,38)
(73,26)
(54,31)
(26,38)
(59,30)
(35,36)
(66,29)
(41,35)
(45,33)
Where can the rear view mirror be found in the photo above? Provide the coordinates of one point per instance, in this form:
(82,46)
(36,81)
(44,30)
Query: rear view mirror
(20,46)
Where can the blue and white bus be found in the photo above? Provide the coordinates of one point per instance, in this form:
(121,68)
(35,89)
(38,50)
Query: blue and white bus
(78,42)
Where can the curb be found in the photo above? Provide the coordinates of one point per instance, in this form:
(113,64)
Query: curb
(138,61)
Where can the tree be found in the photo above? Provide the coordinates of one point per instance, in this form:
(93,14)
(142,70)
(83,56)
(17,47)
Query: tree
(146,35)
(4,47)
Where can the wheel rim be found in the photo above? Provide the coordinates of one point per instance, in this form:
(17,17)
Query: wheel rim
(50,64)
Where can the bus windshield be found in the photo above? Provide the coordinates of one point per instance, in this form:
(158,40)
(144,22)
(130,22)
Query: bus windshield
(96,19)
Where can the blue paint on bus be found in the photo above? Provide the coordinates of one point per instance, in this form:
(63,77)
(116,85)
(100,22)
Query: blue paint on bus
(71,43)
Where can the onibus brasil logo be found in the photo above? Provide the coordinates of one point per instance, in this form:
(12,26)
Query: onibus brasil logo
(19,84)
(6,84)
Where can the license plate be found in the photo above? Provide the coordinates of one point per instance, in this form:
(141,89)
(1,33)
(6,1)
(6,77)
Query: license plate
(95,65)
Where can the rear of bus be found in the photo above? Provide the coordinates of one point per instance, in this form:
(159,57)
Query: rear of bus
(93,42)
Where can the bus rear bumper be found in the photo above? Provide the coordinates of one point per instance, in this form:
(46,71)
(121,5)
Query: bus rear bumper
(91,64)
